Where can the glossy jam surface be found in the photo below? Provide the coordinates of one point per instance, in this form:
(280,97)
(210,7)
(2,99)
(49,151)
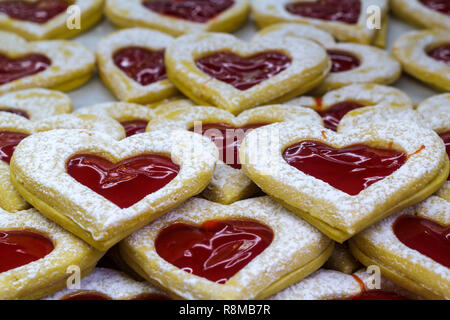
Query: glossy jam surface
(426,236)
(134,127)
(39,11)
(228,139)
(193,10)
(346,11)
(243,72)
(351,169)
(378,295)
(126,182)
(443,6)
(446,138)
(86,295)
(18,248)
(333,115)
(441,53)
(140,64)
(216,250)
(8,143)
(16,112)
(342,61)
(15,68)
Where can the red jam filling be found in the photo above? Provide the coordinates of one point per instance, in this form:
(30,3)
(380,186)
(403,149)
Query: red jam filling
(228,139)
(193,10)
(17,112)
(18,248)
(342,61)
(140,64)
(86,295)
(134,127)
(446,138)
(442,6)
(39,11)
(426,236)
(216,250)
(15,68)
(351,169)
(243,72)
(346,11)
(8,143)
(126,182)
(378,295)
(441,53)
(332,116)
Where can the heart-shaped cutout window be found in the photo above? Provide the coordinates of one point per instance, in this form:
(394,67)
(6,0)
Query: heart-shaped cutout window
(8,143)
(16,68)
(228,139)
(333,115)
(216,250)
(126,182)
(18,248)
(441,53)
(18,112)
(133,127)
(351,169)
(426,236)
(141,64)
(347,11)
(39,11)
(243,72)
(342,61)
(442,6)
(192,10)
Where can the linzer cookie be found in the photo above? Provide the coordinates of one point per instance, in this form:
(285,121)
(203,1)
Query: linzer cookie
(56,64)
(412,248)
(49,19)
(102,189)
(429,14)
(132,65)
(223,71)
(36,254)
(248,250)
(229,183)
(14,128)
(319,174)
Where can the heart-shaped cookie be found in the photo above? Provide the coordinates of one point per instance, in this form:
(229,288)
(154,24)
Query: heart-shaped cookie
(14,128)
(221,70)
(48,19)
(412,248)
(336,104)
(131,63)
(133,117)
(332,285)
(179,17)
(426,56)
(35,104)
(346,20)
(35,255)
(109,284)
(51,166)
(272,157)
(57,64)
(429,14)
(351,63)
(229,183)
(268,248)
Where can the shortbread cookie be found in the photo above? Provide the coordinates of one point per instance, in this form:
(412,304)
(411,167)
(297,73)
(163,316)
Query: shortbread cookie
(424,13)
(412,248)
(425,56)
(248,250)
(55,64)
(342,260)
(344,182)
(37,255)
(131,63)
(102,189)
(229,182)
(179,17)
